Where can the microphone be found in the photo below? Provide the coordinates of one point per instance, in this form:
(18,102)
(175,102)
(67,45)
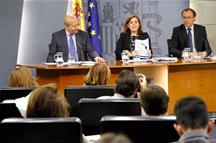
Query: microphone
(144,45)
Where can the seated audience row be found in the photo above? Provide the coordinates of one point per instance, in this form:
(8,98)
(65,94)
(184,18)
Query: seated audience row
(193,123)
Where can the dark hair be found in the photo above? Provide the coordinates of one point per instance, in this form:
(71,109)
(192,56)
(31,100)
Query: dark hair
(45,101)
(154,100)
(112,137)
(127,30)
(191,113)
(127,83)
(189,9)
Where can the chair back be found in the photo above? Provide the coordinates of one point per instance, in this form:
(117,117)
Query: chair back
(74,93)
(14,92)
(142,129)
(8,110)
(41,130)
(92,110)
(171,44)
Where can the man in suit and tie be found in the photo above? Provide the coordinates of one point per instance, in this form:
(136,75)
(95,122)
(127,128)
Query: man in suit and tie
(74,43)
(189,35)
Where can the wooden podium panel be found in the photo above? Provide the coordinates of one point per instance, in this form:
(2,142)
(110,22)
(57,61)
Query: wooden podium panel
(193,79)
(178,79)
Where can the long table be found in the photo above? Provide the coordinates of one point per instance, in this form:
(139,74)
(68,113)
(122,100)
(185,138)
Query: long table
(177,78)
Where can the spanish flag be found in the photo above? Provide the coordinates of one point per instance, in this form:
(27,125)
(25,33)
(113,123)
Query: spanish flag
(75,7)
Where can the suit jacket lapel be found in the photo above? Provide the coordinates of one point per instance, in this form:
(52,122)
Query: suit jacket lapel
(79,47)
(64,47)
(184,35)
(196,36)
(64,39)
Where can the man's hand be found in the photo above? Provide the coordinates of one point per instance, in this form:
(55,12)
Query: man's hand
(100,60)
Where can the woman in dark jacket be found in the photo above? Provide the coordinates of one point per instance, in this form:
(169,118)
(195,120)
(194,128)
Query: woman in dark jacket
(126,41)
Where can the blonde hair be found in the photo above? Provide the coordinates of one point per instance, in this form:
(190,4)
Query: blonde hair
(21,77)
(45,101)
(99,74)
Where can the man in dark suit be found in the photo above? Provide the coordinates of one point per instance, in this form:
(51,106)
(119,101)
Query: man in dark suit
(75,44)
(189,35)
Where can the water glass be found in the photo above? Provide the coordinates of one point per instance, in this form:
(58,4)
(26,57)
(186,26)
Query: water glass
(136,59)
(197,58)
(58,58)
(125,57)
(186,55)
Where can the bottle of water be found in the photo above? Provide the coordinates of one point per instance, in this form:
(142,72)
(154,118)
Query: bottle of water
(125,57)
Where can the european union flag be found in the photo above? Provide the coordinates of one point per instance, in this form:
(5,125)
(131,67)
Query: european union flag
(93,26)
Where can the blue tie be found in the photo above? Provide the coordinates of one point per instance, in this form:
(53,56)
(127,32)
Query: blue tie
(72,49)
(190,44)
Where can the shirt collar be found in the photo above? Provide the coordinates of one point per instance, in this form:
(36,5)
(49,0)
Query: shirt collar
(192,27)
(116,95)
(68,34)
(194,133)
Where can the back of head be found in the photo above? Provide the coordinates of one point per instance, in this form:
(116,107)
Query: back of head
(45,101)
(191,113)
(21,77)
(114,138)
(127,83)
(154,100)
(99,74)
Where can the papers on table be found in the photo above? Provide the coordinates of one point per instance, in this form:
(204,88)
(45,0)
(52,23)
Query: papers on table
(88,63)
(84,63)
(142,47)
(50,64)
(166,59)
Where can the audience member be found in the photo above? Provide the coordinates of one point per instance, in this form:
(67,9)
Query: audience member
(127,85)
(99,74)
(154,100)
(113,138)
(45,101)
(192,120)
(21,77)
